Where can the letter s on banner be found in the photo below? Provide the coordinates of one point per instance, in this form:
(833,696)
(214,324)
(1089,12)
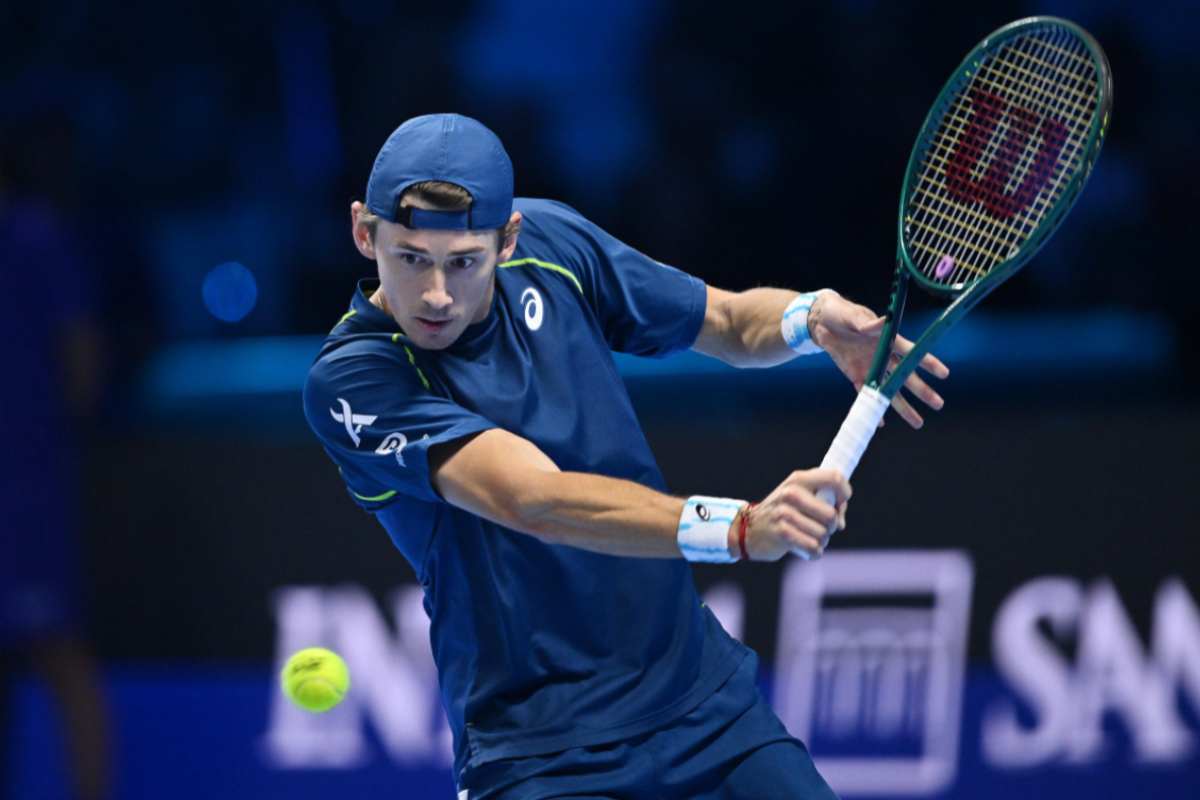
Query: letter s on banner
(1035,670)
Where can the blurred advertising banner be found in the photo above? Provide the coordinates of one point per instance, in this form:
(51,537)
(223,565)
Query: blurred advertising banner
(870,670)
(869,667)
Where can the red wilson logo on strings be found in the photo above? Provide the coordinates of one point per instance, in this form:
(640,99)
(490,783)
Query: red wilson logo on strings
(987,112)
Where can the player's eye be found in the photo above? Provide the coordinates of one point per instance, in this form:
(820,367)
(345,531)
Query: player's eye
(462,262)
(409,258)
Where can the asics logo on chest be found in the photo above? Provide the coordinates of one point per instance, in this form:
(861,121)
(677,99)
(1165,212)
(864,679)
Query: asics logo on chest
(531,302)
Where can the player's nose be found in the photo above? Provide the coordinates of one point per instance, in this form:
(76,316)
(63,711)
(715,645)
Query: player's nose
(435,295)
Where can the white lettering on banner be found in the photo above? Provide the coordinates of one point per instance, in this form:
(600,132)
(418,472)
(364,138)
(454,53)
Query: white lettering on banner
(884,672)
(860,666)
(1112,674)
(393,681)
(294,738)
(1176,638)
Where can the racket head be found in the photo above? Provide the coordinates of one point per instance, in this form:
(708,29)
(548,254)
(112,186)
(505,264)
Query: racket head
(1003,154)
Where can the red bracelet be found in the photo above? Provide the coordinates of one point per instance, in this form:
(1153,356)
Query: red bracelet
(742,530)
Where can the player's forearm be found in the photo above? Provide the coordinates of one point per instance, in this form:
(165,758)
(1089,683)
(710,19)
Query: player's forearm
(602,514)
(506,479)
(753,337)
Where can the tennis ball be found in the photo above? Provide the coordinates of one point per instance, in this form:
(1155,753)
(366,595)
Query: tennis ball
(315,679)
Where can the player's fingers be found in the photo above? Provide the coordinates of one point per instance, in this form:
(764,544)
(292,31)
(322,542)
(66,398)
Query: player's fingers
(810,507)
(923,392)
(901,346)
(797,523)
(822,478)
(871,326)
(929,362)
(800,534)
(934,366)
(806,546)
(824,543)
(907,412)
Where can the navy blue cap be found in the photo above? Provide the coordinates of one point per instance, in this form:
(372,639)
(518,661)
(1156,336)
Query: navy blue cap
(450,148)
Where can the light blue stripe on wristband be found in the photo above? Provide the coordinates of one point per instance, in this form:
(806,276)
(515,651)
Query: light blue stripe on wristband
(794,325)
(703,533)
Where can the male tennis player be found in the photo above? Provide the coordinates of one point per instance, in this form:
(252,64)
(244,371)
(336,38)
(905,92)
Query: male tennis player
(470,400)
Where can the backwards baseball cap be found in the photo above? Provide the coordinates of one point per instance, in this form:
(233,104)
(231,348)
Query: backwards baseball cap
(443,147)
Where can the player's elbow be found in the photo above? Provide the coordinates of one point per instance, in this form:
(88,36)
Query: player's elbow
(498,476)
(514,493)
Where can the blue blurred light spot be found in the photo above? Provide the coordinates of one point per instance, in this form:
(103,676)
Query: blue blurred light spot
(230,291)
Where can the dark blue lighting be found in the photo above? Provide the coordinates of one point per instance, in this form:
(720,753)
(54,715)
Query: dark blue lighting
(230,291)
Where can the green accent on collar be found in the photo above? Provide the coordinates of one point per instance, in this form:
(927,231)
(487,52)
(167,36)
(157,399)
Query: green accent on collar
(379,498)
(412,360)
(520,262)
(347,316)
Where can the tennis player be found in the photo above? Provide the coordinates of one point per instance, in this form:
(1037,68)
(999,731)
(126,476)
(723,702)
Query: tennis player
(470,401)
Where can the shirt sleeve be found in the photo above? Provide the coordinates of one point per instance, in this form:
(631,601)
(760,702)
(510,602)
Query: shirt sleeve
(377,422)
(645,308)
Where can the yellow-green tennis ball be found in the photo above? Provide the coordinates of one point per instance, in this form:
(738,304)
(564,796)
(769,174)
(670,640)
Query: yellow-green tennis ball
(315,679)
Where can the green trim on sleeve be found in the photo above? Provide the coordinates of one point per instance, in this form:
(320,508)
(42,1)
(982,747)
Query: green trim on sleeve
(520,262)
(379,498)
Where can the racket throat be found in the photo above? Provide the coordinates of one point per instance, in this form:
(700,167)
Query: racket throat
(878,372)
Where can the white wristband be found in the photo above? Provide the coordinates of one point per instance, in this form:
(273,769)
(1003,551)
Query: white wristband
(794,325)
(704,528)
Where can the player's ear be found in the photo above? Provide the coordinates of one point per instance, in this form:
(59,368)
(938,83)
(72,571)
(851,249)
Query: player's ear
(361,231)
(511,231)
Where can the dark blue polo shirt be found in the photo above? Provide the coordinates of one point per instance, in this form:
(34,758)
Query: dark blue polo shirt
(539,647)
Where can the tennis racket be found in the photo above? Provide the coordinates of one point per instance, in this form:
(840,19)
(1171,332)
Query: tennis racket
(1002,157)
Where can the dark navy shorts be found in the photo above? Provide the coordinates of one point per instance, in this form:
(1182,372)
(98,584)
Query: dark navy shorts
(731,746)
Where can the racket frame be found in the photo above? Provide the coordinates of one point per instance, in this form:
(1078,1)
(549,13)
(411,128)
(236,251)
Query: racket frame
(966,295)
(881,386)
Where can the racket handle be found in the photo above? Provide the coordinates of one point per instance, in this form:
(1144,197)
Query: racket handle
(856,432)
(852,438)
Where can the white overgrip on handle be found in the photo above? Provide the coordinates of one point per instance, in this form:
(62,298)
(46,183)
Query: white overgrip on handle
(855,434)
(853,437)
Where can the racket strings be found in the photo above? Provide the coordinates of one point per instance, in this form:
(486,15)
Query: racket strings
(1004,194)
(986,240)
(983,241)
(1009,141)
(1071,105)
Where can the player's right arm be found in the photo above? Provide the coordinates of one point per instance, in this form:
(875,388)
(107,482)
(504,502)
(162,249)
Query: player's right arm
(391,436)
(506,479)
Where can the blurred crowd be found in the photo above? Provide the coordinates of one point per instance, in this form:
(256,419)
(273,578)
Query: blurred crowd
(746,146)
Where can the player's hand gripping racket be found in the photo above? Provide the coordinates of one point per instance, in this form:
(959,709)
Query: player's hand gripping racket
(1000,160)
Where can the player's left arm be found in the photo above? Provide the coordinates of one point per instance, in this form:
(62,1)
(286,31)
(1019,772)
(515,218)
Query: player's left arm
(743,329)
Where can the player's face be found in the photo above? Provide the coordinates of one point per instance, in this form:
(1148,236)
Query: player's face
(436,283)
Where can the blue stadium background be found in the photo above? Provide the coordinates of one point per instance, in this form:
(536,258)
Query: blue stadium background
(174,192)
